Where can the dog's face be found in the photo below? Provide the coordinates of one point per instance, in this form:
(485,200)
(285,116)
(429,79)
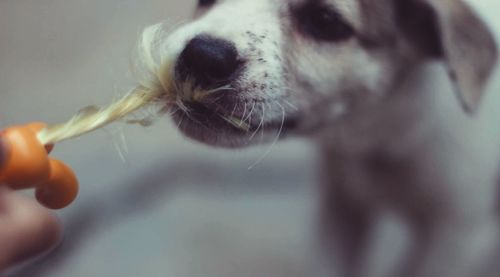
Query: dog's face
(252,70)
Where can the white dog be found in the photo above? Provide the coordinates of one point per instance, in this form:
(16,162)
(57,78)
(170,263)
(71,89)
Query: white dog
(364,80)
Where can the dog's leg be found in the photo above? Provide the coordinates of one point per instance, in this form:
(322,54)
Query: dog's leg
(346,228)
(346,223)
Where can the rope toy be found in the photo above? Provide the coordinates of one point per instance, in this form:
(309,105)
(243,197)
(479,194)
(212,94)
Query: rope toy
(28,164)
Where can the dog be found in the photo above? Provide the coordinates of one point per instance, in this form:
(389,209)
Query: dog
(371,83)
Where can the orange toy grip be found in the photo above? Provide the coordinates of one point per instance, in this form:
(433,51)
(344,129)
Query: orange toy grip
(28,165)
(60,189)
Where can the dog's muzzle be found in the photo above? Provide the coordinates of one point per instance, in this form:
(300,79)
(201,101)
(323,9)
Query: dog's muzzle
(208,62)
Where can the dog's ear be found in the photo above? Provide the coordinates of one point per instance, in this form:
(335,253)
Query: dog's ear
(450,29)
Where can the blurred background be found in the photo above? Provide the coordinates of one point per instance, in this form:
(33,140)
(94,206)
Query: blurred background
(152,202)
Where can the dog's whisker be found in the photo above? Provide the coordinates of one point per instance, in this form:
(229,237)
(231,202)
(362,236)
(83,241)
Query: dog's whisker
(180,121)
(171,113)
(262,130)
(197,121)
(249,117)
(187,111)
(236,123)
(199,94)
(234,110)
(244,110)
(181,106)
(214,101)
(223,88)
(261,123)
(290,105)
(276,139)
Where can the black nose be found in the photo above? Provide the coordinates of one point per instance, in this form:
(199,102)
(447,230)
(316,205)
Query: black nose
(208,60)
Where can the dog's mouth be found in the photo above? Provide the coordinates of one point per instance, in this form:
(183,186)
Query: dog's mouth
(191,114)
(226,120)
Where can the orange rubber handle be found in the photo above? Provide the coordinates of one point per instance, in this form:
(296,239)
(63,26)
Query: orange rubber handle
(28,165)
(60,189)
(27,162)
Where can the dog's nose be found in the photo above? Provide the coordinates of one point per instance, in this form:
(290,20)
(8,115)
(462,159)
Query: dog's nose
(208,60)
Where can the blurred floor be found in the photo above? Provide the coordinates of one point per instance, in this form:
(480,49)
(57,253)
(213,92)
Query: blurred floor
(190,217)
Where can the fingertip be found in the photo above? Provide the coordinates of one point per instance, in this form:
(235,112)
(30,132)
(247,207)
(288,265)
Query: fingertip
(32,230)
(44,227)
(41,226)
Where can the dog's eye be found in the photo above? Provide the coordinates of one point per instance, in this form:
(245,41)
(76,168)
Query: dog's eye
(322,23)
(206,3)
